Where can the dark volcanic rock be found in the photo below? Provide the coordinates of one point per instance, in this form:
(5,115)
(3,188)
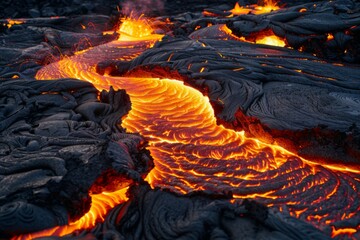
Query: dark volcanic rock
(23,9)
(59,139)
(155,214)
(56,140)
(33,8)
(265,82)
(328,29)
(39,41)
(272,93)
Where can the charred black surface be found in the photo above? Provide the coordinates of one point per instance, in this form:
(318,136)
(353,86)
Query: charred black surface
(327,29)
(39,41)
(34,8)
(156,214)
(56,140)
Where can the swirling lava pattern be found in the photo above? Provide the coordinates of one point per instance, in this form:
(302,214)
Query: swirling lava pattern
(191,152)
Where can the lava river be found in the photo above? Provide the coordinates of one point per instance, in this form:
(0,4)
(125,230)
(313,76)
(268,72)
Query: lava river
(191,152)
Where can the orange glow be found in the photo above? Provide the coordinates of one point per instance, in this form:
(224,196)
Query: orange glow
(341,231)
(269,5)
(12,22)
(100,205)
(267,38)
(227,30)
(192,152)
(132,29)
(208,14)
(330,37)
(237,10)
(272,40)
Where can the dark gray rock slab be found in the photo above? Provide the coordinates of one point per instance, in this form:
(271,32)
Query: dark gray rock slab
(57,139)
(156,214)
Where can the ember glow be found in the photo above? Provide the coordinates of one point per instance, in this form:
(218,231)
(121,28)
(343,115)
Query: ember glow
(100,205)
(272,40)
(269,5)
(12,22)
(267,38)
(191,152)
(135,29)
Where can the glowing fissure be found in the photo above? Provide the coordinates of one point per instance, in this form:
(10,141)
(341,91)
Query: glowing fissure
(135,29)
(100,205)
(267,38)
(266,7)
(12,22)
(269,5)
(191,152)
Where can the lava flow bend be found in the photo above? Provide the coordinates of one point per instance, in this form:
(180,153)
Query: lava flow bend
(191,152)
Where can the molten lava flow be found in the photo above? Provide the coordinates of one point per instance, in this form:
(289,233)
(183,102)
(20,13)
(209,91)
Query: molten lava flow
(191,152)
(100,205)
(272,40)
(269,5)
(266,7)
(237,10)
(135,29)
(266,37)
(103,202)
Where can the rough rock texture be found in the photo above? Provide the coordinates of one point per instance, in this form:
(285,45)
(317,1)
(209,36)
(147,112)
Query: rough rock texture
(155,214)
(265,82)
(35,42)
(33,9)
(56,140)
(328,29)
(275,94)
(42,8)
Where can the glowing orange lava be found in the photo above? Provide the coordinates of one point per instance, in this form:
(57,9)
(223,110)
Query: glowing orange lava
(103,202)
(135,29)
(272,40)
(12,22)
(267,38)
(347,231)
(100,205)
(269,5)
(191,152)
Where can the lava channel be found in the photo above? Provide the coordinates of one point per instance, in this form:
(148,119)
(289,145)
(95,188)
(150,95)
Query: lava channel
(191,152)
